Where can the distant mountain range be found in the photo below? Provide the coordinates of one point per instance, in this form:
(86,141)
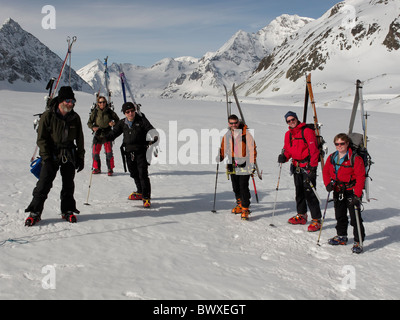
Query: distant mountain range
(355,39)
(188,77)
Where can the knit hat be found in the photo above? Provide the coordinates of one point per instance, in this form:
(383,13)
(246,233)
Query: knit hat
(127,106)
(291,114)
(65,93)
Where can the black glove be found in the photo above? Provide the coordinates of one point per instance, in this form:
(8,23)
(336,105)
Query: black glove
(80,164)
(282,158)
(329,187)
(355,201)
(155,139)
(312,173)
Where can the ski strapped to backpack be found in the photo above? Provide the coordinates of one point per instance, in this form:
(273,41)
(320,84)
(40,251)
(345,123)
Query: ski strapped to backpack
(316,126)
(125,86)
(259,173)
(359,141)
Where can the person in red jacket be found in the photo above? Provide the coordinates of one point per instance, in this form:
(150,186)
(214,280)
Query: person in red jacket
(301,146)
(344,174)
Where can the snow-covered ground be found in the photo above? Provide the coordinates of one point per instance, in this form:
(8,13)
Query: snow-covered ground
(179,249)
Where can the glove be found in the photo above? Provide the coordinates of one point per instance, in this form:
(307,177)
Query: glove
(329,187)
(155,139)
(312,173)
(281,158)
(252,168)
(80,164)
(356,201)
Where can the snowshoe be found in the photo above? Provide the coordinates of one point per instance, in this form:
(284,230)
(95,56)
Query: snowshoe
(146,203)
(110,172)
(315,225)
(69,216)
(96,171)
(357,248)
(245,214)
(338,240)
(135,196)
(298,219)
(32,219)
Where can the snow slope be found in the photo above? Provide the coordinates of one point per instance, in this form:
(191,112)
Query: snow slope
(178,249)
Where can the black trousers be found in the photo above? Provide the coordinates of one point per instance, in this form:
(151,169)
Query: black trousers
(343,204)
(305,196)
(240,185)
(45,183)
(138,168)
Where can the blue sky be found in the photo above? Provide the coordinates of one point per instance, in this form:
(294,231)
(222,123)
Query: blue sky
(144,32)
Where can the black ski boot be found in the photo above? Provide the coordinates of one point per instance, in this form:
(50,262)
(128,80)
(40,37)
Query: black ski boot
(33,218)
(69,216)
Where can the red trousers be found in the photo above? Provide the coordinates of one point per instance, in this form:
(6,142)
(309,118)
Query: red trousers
(109,155)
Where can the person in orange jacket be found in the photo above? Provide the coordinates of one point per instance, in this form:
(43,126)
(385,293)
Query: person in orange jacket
(301,146)
(344,174)
(240,148)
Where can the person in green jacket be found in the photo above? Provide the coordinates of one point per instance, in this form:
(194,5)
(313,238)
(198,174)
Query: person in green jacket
(61,146)
(101,121)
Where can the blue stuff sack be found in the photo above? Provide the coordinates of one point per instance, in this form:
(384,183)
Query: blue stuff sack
(36,167)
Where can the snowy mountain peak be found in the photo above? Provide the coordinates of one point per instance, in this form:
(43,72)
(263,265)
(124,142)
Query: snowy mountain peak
(26,63)
(353,40)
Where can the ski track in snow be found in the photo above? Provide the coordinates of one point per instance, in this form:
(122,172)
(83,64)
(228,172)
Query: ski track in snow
(179,249)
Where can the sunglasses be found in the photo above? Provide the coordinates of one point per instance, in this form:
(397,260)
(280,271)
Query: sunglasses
(340,144)
(232,123)
(291,120)
(130,111)
(101,102)
(70,101)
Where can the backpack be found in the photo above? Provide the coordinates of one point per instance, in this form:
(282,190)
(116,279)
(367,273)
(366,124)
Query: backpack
(357,145)
(320,140)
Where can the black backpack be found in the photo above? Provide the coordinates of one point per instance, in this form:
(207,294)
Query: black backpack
(357,145)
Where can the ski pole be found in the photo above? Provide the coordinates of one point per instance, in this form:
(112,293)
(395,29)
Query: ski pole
(358,215)
(323,218)
(255,188)
(90,186)
(315,191)
(312,186)
(276,195)
(215,192)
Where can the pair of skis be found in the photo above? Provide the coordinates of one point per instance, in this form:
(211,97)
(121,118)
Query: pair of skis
(309,95)
(70,42)
(359,101)
(125,86)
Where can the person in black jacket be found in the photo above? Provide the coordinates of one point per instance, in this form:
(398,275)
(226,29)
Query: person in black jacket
(61,143)
(138,135)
